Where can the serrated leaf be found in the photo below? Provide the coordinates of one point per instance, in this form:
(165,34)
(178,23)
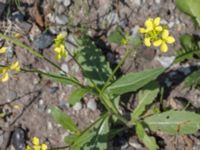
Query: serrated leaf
(174,122)
(116,36)
(95,137)
(77,94)
(93,62)
(148,141)
(133,81)
(189,48)
(145,97)
(64,120)
(193,79)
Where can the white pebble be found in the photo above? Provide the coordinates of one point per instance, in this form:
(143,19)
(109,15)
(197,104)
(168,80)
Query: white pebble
(77,106)
(92,104)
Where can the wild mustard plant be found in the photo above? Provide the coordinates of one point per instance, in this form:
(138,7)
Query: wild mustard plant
(59,46)
(3,50)
(156,34)
(36,145)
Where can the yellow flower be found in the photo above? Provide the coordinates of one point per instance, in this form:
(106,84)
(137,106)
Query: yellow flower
(147,42)
(4,76)
(35,141)
(15,66)
(3,50)
(44,147)
(151,24)
(124,41)
(60,52)
(28,147)
(165,39)
(59,47)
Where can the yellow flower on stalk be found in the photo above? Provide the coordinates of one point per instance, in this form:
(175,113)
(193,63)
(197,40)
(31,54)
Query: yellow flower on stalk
(15,66)
(59,47)
(3,50)
(156,34)
(165,39)
(36,145)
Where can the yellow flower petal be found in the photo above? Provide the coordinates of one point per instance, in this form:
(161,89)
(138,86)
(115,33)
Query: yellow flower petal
(44,147)
(35,141)
(147,42)
(57,49)
(37,147)
(156,21)
(3,50)
(4,77)
(15,66)
(149,24)
(159,28)
(170,39)
(164,47)
(142,30)
(165,34)
(28,147)
(157,43)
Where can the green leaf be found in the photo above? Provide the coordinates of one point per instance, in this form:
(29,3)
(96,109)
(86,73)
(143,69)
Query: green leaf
(174,122)
(93,62)
(193,79)
(77,94)
(133,81)
(135,41)
(64,120)
(95,137)
(62,78)
(116,36)
(189,48)
(190,7)
(145,96)
(148,141)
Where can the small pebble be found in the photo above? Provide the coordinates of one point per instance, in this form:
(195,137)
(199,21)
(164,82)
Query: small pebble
(18,139)
(1,138)
(62,19)
(77,106)
(92,105)
(165,61)
(66,2)
(65,67)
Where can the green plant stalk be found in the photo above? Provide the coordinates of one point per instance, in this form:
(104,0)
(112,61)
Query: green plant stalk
(35,53)
(127,53)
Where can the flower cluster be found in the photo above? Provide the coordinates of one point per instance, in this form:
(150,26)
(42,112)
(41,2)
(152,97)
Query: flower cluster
(156,34)
(36,145)
(59,47)
(5,71)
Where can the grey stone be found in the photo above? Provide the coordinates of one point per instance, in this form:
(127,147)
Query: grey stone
(2,7)
(165,61)
(61,20)
(77,106)
(25,26)
(65,67)
(18,16)
(67,2)
(43,41)
(18,139)
(157,1)
(1,138)
(92,105)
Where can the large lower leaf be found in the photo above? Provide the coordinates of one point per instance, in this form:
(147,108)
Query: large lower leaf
(190,7)
(95,137)
(93,62)
(174,122)
(148,141)
(145,97)
(193,79)
(134,81)
(64,120)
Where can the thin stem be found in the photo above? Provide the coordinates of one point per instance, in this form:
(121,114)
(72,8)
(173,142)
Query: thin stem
(34,52)
(127,53)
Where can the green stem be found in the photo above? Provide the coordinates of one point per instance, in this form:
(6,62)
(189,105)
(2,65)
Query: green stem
(127,53)
(35,53)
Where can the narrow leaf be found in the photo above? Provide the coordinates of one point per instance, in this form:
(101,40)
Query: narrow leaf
(148,141)
(133,81)
(174,122)
(64,120)
(145,97)
(193,79)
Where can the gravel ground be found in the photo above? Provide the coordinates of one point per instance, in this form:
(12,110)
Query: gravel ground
(27,97)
